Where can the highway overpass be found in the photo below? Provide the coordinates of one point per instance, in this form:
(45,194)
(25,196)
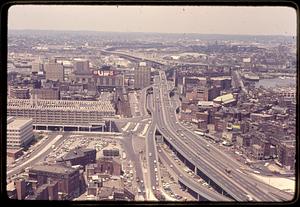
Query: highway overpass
(210,165)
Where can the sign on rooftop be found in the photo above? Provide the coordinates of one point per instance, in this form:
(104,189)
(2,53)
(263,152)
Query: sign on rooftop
(103,72)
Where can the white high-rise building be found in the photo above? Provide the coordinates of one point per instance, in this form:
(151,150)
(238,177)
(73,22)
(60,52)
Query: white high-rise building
(19,132)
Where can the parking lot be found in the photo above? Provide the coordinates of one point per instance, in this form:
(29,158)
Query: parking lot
(82,141)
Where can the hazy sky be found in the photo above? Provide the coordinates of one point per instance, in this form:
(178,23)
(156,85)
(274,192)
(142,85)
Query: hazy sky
(170,19)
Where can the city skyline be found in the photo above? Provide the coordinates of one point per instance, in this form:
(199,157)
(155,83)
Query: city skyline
(127,116)
(179,19)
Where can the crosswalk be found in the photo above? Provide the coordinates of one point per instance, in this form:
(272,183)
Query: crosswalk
(125,128)
(138,128)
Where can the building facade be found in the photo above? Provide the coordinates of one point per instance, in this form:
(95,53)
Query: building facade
(54,71)
(62,112)
(142,76)
(19,92)
(19,132)
(67,178)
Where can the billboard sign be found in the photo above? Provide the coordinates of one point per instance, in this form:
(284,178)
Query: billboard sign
(103,72)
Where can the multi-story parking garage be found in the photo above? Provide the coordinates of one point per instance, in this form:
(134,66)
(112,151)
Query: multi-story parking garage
(63,114)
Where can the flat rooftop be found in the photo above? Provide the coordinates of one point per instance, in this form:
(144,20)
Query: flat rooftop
(61,105)
(57,169)
(18,123)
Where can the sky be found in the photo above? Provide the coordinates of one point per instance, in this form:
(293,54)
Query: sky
(163,19)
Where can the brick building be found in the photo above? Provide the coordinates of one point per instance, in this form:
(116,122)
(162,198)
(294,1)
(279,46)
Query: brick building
(67,178)
(79,156)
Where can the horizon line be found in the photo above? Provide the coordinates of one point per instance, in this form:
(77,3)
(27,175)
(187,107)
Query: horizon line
(183,33)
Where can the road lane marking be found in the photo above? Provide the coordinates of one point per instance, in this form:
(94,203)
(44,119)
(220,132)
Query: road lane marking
(126,126)
(136,127)
(145,130)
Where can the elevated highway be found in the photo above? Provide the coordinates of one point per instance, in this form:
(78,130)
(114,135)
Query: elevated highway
(202,193)
(210,165)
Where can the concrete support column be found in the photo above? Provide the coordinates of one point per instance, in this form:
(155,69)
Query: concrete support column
(47,127)
(110,125)
(89,128)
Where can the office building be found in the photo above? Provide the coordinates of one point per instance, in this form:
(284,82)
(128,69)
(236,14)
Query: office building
(287,156)
(54,71)
(36,67)
(19,132)
(20,188)
(142,76)
(81,66)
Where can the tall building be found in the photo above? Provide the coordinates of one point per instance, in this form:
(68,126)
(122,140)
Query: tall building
(81,66)
(21,189)
(286,156)
(36,67)
(19,132)
(142,76)
(54,71)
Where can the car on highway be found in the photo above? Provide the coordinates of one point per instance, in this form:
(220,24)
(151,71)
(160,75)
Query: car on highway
(150,154)
(249,198)
(205,184)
